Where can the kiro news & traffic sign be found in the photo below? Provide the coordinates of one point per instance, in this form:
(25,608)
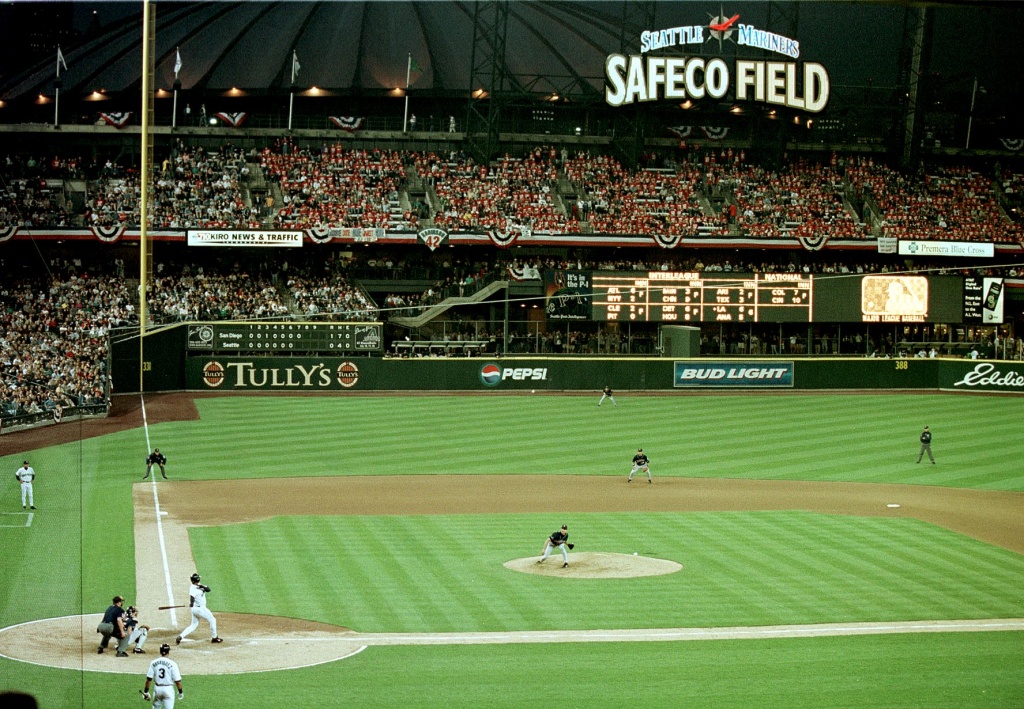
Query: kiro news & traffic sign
(645,77)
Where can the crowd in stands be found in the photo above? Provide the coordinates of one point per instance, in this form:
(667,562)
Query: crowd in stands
(935,203)
(704,192)
(197,188)
(337,186)
(509,192)
(53,344)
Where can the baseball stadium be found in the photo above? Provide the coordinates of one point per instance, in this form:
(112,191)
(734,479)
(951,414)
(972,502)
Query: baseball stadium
(511,354)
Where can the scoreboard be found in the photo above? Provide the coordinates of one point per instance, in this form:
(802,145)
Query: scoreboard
(667,296)
(285,337)
(720,297)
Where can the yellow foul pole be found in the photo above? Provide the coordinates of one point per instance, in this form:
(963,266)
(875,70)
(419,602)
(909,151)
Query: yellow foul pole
(144,179)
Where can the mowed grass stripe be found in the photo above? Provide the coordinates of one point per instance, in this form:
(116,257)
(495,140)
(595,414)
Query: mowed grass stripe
(739,570)
(812,437)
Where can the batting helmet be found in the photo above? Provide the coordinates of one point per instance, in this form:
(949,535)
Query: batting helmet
(131,610)
(165,649)
(195,578)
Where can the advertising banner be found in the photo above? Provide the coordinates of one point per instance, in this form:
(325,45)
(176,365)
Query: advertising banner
(982,376)
(911,247)
(244,237)
(733,373)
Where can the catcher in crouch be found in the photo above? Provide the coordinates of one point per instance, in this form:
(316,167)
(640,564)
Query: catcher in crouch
(559,539)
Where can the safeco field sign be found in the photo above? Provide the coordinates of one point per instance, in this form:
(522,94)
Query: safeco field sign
(733,374)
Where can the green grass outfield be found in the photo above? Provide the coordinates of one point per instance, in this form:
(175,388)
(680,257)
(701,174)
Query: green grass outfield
(740,568)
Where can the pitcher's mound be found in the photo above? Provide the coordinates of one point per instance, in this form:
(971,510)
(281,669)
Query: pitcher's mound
(596,565)
(252,643)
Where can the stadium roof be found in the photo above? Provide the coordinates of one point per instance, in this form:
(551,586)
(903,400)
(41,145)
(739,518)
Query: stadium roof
(364,46)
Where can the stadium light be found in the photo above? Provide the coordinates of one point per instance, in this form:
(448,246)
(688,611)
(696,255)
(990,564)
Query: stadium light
(213,121)
(686,105)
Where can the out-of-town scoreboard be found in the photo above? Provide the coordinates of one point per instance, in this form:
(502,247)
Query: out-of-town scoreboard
(284,337)
(721,297)
(696,297)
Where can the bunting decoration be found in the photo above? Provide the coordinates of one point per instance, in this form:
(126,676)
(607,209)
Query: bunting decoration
(109,234)
(117,119)
(667,241)
(319,234)
(813,243)
(1013,144)
(347,123)
(6,232)
(58,414)
(715,133)
(680,131)
(504,239)
(235,120)
(524,273)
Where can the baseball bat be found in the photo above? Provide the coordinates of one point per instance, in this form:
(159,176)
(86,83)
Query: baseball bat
(164,608)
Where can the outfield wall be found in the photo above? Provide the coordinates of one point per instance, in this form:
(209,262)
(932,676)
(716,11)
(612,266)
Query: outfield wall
(312,374)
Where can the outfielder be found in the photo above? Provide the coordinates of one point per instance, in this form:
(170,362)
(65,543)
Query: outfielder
(197,603)
(640,463)
(165,675)
(155,458)
(559,539)
(25,475)
(137,634)
(606,393)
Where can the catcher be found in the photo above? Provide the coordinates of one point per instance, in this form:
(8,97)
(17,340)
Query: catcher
(137,634)
(559,540)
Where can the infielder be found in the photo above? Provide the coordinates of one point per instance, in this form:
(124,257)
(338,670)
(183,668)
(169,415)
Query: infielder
(926,447)
(197,603)
(640,463)
(155,458)
(606,393)
(165,675)
(137,634)
(25,475)
(560,540)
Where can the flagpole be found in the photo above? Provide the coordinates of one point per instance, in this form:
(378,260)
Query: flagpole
(291,91)
(177,85)
(970,117)
(408,77)
(56,91)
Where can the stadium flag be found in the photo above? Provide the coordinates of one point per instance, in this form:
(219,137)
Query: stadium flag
(295,65)
(60,61)
(413,66)
(177,62)
(232,119)
(347,123)
(118,120)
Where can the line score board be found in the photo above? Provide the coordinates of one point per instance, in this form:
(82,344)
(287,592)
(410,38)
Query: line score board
(656,296)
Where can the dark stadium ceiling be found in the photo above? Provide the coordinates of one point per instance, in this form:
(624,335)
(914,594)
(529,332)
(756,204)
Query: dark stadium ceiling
(553,47)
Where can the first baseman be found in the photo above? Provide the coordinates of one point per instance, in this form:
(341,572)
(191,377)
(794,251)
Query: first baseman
(165,675)
(25,475)
(559,540)
(156,458)
(197,603)
(641,463)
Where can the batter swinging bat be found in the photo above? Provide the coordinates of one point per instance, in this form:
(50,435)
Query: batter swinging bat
(165,608)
